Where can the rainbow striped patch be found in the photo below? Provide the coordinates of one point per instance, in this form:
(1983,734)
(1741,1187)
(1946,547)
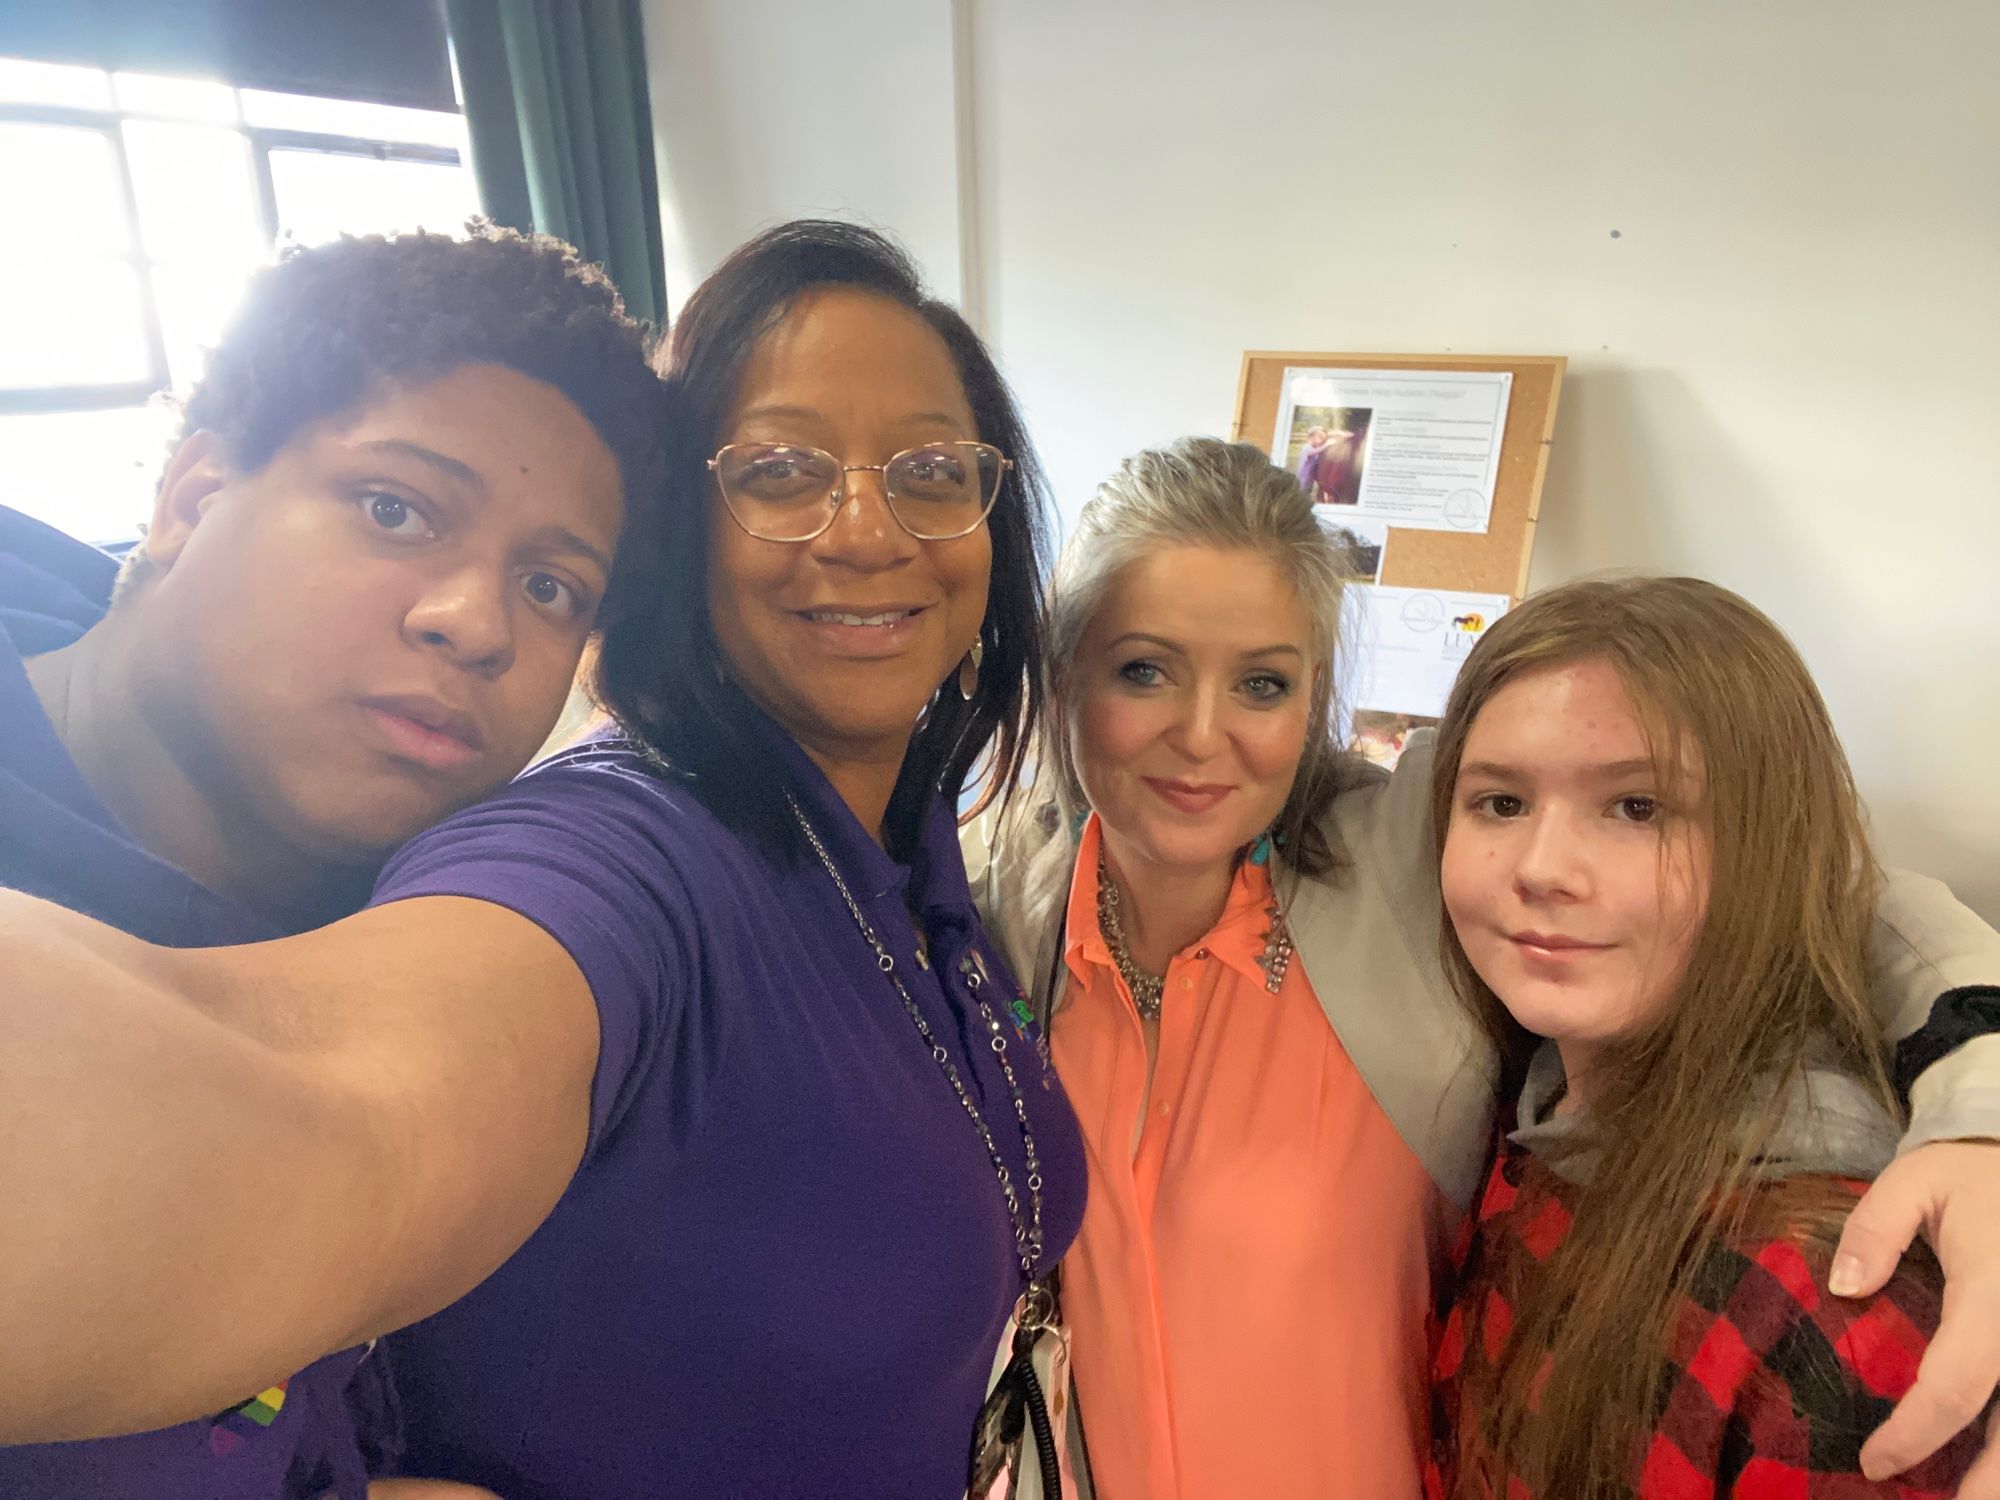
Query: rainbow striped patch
(229,1431)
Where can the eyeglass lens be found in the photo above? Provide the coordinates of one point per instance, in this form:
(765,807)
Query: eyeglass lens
(780,491)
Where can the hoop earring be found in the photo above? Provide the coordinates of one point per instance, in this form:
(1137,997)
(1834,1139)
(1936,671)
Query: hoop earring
(968,671)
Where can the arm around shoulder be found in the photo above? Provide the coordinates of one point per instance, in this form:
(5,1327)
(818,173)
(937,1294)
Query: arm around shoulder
(1828,1374)
(1927,952)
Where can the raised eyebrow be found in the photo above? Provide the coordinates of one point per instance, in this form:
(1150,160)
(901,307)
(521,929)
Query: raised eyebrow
(443,463)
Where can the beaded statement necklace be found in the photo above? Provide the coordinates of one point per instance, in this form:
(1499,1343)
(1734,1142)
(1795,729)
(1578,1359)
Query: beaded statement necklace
(1149,989)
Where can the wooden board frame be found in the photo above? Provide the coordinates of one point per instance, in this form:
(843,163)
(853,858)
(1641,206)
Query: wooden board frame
(1491,562)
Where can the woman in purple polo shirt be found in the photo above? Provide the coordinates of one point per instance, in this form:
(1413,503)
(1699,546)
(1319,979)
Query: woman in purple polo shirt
(714,998)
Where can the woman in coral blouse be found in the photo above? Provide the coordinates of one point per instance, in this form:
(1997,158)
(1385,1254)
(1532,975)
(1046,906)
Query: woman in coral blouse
(1285,1111)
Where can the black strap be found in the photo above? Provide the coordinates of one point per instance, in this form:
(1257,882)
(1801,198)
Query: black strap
(1959,1015)
(1046,1006)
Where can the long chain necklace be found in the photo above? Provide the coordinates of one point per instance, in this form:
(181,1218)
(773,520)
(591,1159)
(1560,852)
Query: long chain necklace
(1027,1229)
(1147,989)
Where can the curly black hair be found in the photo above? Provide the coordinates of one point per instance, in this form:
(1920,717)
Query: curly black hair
(326,326)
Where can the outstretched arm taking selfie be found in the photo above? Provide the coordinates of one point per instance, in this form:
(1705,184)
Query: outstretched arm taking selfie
(306,1143)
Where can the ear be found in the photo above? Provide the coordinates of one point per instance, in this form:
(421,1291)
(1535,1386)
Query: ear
(195,474)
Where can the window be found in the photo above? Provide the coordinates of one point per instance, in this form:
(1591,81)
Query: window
(136,205)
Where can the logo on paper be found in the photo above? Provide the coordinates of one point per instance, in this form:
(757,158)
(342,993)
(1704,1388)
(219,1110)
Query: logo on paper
(1465,509)
(1423,612)
(1464,634)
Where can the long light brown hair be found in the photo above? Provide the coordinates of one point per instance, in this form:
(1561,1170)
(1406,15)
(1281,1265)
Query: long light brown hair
(1777,971)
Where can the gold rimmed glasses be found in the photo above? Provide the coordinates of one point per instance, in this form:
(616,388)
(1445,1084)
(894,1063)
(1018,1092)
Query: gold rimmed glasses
(781,492)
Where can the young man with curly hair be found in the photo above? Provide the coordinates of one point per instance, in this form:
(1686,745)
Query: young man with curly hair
(375,556)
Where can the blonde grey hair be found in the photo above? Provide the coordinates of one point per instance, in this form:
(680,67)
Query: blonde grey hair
(1203,492)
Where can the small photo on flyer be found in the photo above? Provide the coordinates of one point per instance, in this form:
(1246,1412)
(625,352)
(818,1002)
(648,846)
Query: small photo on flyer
(1329,450)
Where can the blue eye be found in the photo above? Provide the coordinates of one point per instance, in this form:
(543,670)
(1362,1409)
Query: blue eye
(1140,673)
(1267,687)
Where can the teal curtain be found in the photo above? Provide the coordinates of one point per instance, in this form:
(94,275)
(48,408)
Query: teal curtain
(561,130)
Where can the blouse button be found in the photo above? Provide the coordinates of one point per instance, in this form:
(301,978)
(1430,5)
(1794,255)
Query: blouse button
(1186,983)
(1201,953)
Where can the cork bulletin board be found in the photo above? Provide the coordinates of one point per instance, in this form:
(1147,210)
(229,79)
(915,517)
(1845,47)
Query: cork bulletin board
(1494,561)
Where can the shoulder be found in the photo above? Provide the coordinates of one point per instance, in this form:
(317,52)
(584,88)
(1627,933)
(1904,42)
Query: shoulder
(1019,861)
(1773,1368)
(622,865)
(599,805)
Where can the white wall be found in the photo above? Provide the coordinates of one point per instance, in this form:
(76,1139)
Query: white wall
(766,110)
(1783,367)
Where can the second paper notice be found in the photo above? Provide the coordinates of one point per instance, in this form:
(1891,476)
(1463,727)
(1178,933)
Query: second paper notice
(1412,643)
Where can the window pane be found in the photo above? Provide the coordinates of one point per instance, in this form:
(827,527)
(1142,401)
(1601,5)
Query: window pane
(353,117)
(63,180)
(195,191)
(196,302)
(73,322)
(322,195)
(180,98)
(23,82)
(90,472)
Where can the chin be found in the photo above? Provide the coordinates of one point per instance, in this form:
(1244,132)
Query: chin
(1560,1017)
(866,718)
(1178,844)
(358,831)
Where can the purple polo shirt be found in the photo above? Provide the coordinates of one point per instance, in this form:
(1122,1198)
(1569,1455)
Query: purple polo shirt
(57,841)
(784,1265)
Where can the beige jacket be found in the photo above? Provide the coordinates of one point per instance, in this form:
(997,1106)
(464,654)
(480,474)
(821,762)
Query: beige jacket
(1368,938)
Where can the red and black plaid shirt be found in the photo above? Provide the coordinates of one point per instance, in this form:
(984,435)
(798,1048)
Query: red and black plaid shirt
(1772,1383)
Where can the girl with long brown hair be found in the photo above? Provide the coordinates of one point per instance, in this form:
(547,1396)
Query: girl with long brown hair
(1659,888)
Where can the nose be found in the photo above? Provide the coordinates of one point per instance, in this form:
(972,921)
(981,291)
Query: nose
(1553,863)
(466,616)
(1198,729)
(864,534)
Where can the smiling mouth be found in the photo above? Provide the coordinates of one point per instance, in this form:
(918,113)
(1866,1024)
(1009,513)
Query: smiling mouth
(1189,796)
(879,619)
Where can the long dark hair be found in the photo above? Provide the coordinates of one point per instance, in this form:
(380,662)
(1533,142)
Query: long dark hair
(656,668)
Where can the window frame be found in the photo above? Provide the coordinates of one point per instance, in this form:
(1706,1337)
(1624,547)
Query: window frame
(262,141)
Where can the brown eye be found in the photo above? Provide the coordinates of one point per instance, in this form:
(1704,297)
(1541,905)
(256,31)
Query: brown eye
(396,516)
(550,592)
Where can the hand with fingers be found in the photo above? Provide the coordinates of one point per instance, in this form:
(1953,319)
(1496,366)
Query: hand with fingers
(1949,1190)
